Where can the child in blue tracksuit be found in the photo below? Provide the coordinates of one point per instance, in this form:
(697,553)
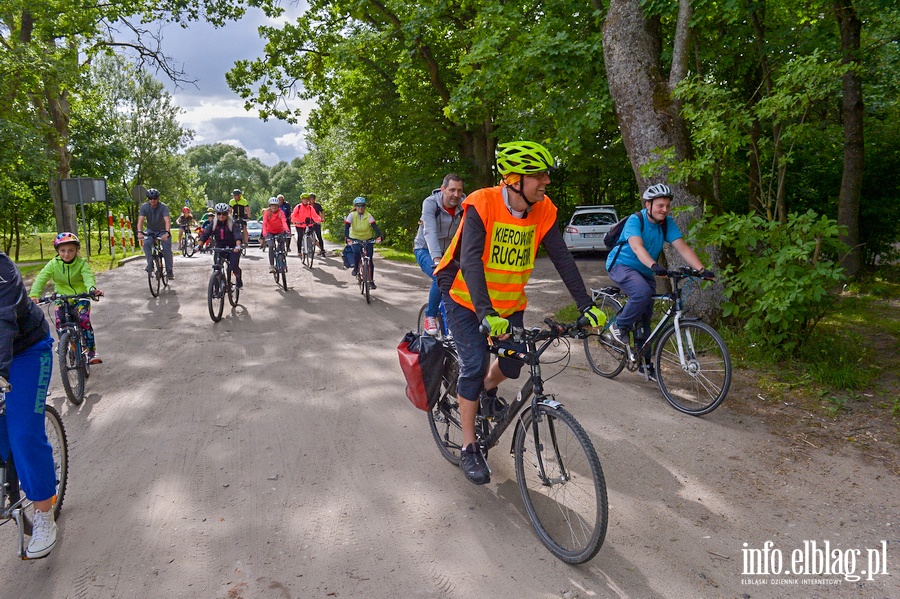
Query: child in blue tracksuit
(26,363)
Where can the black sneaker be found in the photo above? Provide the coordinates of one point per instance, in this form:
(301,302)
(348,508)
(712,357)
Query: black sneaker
(372,285)
(355,272)
(474,466)
(239,284)
(650,370)
(171,276)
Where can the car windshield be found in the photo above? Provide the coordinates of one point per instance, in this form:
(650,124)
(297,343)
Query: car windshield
(592,219)
(254,225)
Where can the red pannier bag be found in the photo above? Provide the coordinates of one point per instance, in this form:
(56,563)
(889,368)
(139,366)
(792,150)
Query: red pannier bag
(421,359)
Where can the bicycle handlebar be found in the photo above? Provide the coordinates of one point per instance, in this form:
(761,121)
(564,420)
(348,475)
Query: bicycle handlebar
(685,272)
(58,297)
(554,329)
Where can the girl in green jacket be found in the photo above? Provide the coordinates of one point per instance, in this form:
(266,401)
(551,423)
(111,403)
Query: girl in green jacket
(70,275)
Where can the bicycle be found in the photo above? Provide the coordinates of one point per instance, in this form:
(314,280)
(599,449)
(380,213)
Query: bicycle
(188,243)
(364,268)
(156,274)
(557,469)
(74,362)
(14,505)
(281,259)
(692,364)
(220,285)
(308,246)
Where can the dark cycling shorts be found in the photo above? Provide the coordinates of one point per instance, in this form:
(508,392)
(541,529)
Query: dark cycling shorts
(471,344)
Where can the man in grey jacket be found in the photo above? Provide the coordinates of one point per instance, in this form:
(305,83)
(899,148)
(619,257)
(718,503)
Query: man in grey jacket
(439,221)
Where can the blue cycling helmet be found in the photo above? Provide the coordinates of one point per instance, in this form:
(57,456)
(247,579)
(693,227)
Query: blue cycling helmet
(359,200)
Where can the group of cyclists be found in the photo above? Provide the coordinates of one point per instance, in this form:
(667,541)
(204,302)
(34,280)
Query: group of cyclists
(479,251)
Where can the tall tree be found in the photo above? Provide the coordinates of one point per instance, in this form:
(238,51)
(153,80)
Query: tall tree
(852,113)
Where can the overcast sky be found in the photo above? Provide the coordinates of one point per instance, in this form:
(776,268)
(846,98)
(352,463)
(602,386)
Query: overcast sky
(212,110)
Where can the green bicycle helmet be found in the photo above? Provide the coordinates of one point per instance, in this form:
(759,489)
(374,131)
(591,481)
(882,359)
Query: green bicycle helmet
(523,157)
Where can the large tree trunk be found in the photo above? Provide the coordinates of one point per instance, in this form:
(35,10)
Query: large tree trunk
(479,147)
(852,115)
(648,117)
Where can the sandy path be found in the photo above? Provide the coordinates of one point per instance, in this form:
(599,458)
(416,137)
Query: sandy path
(274,454)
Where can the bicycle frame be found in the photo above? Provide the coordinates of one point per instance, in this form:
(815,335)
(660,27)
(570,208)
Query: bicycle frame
(219,262)
(674,314)
(533,388)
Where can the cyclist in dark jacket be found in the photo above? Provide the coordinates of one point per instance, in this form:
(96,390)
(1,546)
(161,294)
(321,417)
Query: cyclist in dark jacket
(227,234)
(26,363)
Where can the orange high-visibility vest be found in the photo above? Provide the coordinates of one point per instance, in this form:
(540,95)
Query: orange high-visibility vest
(510,247)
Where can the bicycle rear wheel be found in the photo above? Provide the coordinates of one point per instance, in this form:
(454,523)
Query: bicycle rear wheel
(700,384)
(568,506)
(604,354)
(70,368)
(153,279)
(443,417)
(56,435)
(215,296)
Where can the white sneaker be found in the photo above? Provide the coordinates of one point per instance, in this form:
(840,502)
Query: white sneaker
(618,335)
(271,269)
(43,536)
(431,326)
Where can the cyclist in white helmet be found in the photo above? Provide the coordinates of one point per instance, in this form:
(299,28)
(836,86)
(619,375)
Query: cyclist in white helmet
(632,263)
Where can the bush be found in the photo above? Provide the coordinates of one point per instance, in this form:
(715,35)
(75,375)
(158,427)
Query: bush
(781,276)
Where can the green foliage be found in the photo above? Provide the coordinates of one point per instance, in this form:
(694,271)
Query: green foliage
(408,92)
(781,278)
(222,168)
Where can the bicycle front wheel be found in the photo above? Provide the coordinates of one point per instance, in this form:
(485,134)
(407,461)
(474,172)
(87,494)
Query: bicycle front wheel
(160,272)
(309,251)
(443,417)
(234,294)
(153,278)
(604,354)
(567,505)
(420,322)
(56,435)
(70,368)
(215,296)
(367,280)
(190,245)
(281,267)
(699,383)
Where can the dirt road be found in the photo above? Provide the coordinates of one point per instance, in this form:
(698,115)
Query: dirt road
(274,454)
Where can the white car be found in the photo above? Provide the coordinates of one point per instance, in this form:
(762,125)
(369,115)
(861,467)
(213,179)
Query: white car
(588,226)
(254,232)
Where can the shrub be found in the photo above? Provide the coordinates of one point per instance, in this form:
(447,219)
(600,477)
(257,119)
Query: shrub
(781,276)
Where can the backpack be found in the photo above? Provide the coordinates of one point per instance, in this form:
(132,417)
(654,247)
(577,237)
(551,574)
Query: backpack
(611,239)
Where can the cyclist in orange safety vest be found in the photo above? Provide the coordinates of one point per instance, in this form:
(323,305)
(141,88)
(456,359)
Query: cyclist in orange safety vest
(483,273)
